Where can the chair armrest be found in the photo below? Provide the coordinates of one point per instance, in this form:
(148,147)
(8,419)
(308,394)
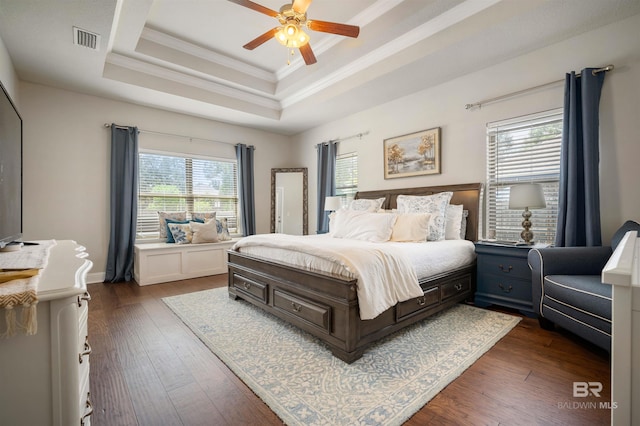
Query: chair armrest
(563,261)
(569,260)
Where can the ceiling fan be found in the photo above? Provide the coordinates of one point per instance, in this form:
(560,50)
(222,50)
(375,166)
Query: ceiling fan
(290,33)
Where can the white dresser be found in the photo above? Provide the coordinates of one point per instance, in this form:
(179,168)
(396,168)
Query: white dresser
(44,378)
(623,273)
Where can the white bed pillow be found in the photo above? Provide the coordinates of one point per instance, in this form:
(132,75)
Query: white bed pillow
(363,204)
(435,204)
(411,227)
(453,227)
(362,225)
(463,228)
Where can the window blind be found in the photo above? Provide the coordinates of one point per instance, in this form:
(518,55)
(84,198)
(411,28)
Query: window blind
(347,175)
(523,150)
(175,183)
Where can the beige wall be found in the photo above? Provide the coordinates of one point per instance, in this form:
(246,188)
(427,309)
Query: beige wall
(66,146)
(8,75)
(463,131)
(66,161)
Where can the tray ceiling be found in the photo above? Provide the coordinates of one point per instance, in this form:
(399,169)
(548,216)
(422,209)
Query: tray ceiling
(187,56)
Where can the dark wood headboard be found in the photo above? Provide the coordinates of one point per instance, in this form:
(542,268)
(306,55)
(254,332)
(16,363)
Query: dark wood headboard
(467,194)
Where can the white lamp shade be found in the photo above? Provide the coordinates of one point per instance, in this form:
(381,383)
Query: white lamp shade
(526,195)
(332,203)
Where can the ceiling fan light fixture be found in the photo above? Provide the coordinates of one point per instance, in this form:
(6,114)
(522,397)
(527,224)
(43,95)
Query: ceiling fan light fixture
(291,35)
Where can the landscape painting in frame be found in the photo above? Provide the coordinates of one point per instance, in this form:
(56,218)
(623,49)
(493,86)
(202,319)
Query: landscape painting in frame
(412,155)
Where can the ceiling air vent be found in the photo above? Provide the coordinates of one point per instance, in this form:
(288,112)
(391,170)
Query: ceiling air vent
(86,39)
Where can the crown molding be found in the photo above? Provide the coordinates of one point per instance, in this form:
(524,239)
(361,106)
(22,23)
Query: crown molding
(424,31)
(175,43)
(143,67)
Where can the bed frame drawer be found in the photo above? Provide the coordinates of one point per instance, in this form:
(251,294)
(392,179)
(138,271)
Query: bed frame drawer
(430,298)
(455,287)
(250,288)
(306,310)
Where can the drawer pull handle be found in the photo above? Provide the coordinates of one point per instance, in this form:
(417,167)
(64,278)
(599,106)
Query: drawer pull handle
(458,286)
(296,307)
(247,285)
(86,296)
(506,290)
(421,301)
(505,270)
(87,349)
(88,409)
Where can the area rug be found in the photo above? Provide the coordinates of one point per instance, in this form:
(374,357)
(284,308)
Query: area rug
(298,378)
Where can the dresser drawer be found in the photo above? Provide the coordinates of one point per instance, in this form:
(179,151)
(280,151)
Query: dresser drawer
(309,312)
(455,287)
(83,316)
(249,287)
(509,266)
(430,298)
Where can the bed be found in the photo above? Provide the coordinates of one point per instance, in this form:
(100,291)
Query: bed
(326,304)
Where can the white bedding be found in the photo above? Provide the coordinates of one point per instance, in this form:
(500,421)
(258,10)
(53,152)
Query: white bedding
(387,276)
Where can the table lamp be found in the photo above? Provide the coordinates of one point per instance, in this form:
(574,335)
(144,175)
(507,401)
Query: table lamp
(332,204)
(526,196)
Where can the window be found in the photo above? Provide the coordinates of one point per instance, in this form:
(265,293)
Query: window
(170,182)
(347,175)
(523,150)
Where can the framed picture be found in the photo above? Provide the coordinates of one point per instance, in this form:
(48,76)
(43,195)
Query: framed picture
(412,155)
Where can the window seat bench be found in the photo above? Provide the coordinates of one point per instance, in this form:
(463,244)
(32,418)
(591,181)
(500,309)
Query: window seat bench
(162,262)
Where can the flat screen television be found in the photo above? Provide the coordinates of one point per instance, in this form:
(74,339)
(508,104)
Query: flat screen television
(10,171)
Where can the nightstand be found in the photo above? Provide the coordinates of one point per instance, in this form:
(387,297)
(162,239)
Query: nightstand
(503,276)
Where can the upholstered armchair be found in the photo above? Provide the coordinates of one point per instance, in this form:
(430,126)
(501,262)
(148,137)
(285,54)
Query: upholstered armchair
(567,290)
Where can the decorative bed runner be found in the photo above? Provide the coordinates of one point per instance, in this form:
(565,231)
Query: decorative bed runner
(19,286)
(298,378)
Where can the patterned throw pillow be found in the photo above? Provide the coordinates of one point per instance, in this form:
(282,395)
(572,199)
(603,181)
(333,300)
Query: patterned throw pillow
(435,204)
(204,232)
(163,216)
(168,232)
(223,230)
(363,204)
(181,232)
(202,216)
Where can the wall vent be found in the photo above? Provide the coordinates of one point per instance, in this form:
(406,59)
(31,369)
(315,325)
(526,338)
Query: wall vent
(86,38)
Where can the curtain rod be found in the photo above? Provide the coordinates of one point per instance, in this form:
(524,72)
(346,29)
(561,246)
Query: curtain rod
(531,89)
(357,135)
(107,125)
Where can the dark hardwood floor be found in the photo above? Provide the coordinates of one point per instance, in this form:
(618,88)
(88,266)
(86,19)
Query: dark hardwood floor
(147,368)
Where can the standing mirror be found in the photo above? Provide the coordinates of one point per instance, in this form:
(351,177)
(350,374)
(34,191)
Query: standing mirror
(289,200)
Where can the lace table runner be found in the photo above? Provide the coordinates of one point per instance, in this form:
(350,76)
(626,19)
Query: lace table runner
(19,286)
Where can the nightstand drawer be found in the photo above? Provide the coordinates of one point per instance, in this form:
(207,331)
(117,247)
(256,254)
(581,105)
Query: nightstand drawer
(504,276)
(504,286)
(508,266)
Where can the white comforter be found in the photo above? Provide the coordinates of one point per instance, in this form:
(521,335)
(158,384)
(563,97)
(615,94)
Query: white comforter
(385,276)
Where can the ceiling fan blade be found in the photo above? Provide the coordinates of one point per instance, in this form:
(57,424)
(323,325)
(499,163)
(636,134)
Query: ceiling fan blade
(301,6)
(261,39)
(256,7)
(334,28)
(307,54)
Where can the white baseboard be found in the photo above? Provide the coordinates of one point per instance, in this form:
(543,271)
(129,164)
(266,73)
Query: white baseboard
(95,277)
